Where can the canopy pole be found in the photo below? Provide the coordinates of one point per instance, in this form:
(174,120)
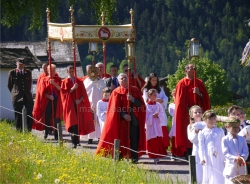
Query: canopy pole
(74,56)
(50,62)
(104,46)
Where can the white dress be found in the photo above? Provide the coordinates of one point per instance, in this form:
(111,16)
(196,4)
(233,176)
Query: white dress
(153,125)
(171,110)
(162,96)
(94,92)
(232,148)
(210,150)
(100,112)
(193,138)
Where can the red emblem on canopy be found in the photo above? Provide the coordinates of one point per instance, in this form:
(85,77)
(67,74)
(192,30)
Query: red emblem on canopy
(104,33)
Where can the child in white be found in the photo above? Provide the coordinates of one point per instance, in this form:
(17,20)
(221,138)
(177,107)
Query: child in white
(235,149)
(102,105)
(154,135)
(196,125)
(210,150)
(153,83)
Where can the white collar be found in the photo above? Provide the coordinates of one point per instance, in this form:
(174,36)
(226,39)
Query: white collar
(230,136)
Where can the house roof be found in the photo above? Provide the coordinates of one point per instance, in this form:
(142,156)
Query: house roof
(60,52)
(8,57)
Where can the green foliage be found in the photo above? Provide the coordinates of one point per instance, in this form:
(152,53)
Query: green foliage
(212,75)
(163,28)
(26,159)
(13,11)
(121,66)
(109,64)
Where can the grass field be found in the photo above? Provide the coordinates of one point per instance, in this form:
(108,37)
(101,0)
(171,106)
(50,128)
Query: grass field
(26,159)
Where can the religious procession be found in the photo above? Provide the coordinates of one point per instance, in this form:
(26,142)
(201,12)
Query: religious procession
(127,114)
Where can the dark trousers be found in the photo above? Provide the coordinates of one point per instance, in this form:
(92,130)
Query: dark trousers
(48,116)
(134,140)
(18,106)
(74,138)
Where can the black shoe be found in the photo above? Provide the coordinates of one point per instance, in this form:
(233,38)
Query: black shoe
(45,136)
(74,146)
(90,141)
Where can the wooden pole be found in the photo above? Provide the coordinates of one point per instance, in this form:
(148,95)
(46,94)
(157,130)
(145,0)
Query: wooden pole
(50,69)
(116,150)
(195,95)
(24,119)
(104,46)
(60,137)
(74,56)
(192,169)
(128,110)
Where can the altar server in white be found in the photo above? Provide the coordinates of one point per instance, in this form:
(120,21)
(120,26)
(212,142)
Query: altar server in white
(195,126)
(153,83)
(94,87)
(154,135)
(210,150)
(235,149)
(102,106)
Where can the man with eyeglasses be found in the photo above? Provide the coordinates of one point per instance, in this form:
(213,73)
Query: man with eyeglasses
(100,68)
(135,79)
(124,122)
(184,99)
(19,85)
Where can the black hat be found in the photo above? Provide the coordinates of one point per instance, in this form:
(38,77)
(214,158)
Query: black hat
(20,60)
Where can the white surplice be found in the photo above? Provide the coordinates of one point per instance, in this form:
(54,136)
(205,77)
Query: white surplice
(232,148)
(210,150)
(153,125)
(193,138)
(94,92)
(171,110)
(164,104)
(101,109)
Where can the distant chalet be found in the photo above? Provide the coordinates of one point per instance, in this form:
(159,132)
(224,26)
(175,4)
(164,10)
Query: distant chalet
(61,56)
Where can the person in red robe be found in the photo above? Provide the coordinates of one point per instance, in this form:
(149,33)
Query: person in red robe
(128,127)
(184,99)
(101,74)
(135,79)
(76,107)
(48,92)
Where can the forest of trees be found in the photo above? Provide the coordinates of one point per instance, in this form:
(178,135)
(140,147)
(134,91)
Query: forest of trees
(163,29)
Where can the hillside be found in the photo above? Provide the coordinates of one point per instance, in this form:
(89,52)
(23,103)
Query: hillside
(163,29)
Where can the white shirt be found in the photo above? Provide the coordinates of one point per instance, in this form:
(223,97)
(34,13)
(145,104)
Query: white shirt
(164,104)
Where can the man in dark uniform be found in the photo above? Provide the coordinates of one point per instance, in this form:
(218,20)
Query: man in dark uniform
(19,84)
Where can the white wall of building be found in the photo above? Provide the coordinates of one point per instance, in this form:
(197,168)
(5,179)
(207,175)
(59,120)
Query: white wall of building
(5,97)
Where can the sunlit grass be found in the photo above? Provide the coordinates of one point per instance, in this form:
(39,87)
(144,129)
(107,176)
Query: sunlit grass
(26,159)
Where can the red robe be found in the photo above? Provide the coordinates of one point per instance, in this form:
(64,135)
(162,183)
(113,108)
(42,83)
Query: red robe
(104,76)
(134,82)
(41,101)
(184,100)
(40,77)
(116,127)
(84,118)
